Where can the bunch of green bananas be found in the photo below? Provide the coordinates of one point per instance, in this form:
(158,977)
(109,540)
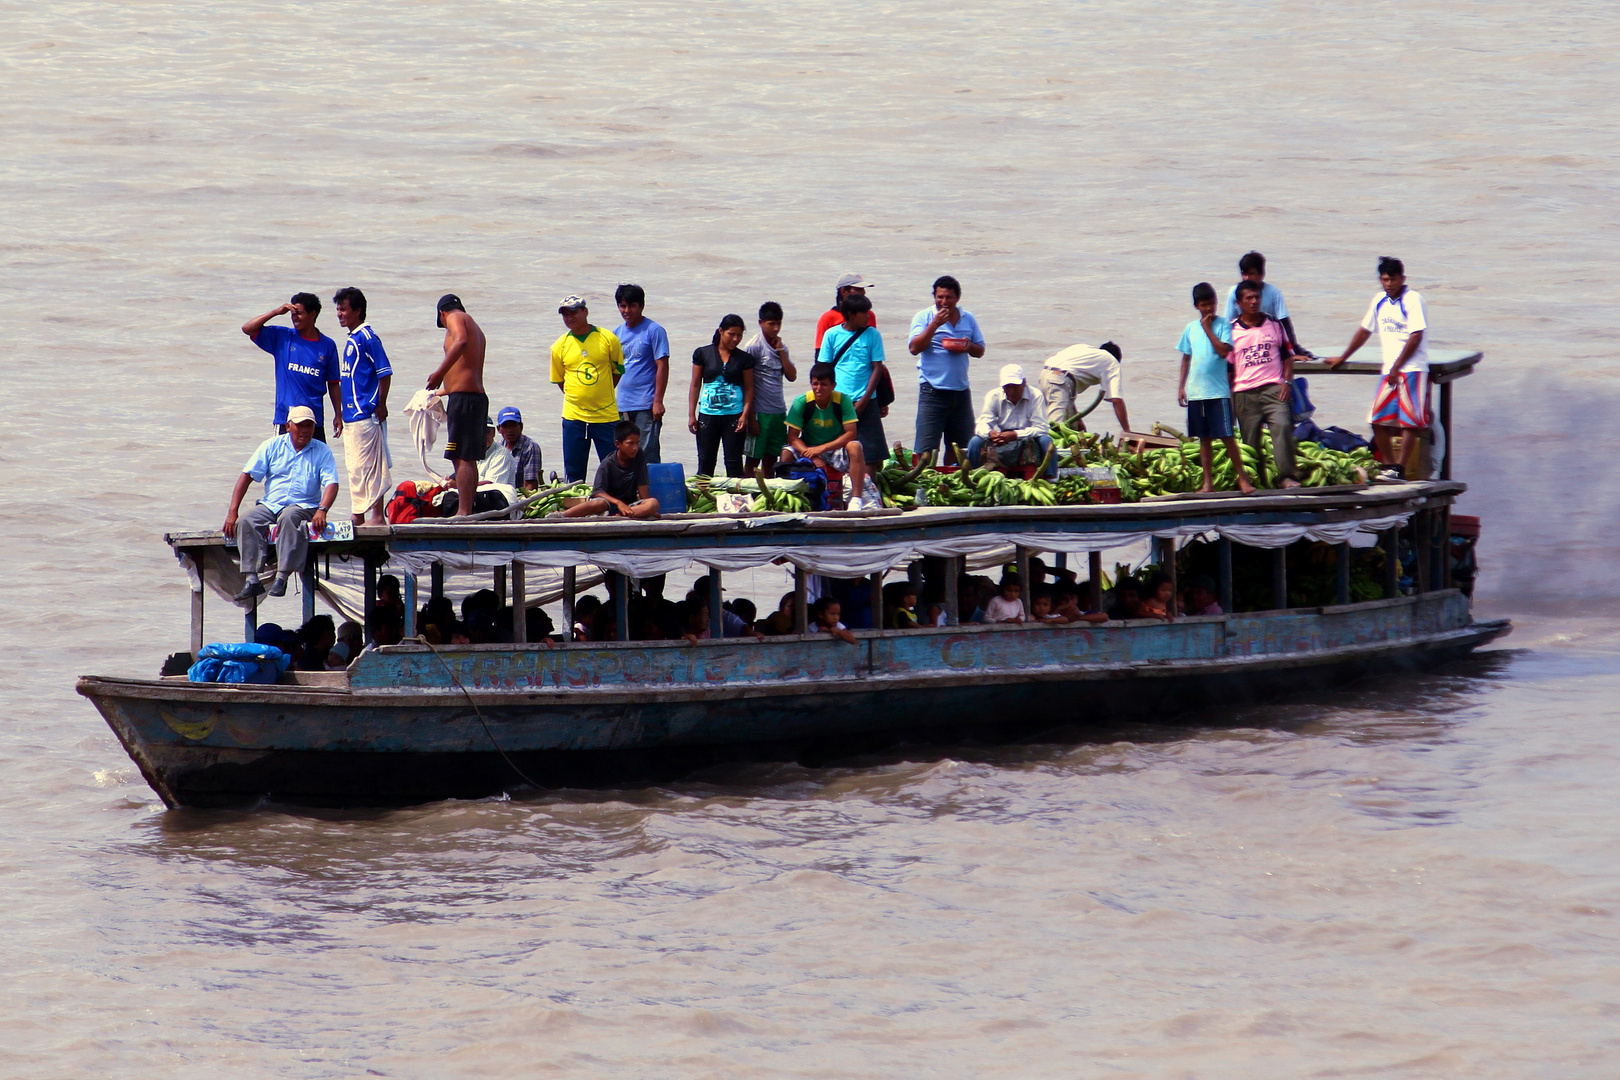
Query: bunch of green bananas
(786,503)
(554,502)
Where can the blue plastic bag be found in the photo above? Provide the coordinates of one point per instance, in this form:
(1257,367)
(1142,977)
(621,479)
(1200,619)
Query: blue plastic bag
(238,662)
(814,479)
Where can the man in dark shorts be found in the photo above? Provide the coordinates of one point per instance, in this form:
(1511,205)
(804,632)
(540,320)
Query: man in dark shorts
(621,480)
(466,406)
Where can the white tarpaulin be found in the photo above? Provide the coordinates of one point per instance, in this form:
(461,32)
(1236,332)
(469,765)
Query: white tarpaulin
(857,560)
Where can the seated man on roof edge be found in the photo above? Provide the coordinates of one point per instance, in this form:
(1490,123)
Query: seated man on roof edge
(821,427)
(622,483)
(1011,428)
(498,466)
(300,485)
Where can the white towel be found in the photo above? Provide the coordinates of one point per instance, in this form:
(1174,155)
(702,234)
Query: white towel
(426,413)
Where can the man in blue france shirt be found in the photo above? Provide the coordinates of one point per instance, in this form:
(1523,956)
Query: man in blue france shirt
(943,337)
(300,485)
(306,360)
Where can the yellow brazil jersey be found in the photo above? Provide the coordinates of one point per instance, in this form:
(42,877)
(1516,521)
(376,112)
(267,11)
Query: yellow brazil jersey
(588,370)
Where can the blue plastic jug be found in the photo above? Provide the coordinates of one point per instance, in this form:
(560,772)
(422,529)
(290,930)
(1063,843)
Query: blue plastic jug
(666,482)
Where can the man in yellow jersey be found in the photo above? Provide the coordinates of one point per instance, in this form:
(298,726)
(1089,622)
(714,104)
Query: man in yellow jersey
(586,364)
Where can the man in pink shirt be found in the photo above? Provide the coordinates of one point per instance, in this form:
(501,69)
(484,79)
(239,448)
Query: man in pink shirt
(1262,375)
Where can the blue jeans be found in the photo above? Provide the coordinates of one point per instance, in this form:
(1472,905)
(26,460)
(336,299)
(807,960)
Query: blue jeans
(942,412)
(1013,453)
(577,437)
(649,428)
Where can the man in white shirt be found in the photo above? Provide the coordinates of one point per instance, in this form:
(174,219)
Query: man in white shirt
(1075,369)
(499,465)
(1401,404)
(1011,428)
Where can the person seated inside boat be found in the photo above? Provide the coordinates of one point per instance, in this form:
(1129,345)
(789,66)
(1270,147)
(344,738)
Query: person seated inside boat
(388,597)
(821,427)
(438,624)
(351,638)
(1007,606)
(538,625)
(780,621)
(1040,607)
(900,606)
(731,624)
(272,634)
(824,616)
(745,610)
(1066,607)
(694,618)
(1127,599)
(315,640)
(1158,599)
(974,594)
(584,608)
(1011,429)
(390,629)
(622,485)
(1201,599)
(300,482)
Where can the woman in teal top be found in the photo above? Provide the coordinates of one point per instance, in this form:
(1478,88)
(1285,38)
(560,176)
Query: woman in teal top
(722,398)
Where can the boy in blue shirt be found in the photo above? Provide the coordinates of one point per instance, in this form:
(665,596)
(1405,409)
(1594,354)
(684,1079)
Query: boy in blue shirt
(1206,386)
(306,360)
(646,369)
(855,349)
(1252,267)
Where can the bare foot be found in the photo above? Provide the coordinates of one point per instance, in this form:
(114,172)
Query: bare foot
(1207,489)
(1246,488)
(1290,484)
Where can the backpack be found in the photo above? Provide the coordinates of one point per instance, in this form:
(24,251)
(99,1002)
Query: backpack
(814,480)
(408,504)
(1337,438)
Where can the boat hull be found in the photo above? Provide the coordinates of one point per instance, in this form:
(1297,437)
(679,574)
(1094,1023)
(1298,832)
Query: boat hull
(414,726)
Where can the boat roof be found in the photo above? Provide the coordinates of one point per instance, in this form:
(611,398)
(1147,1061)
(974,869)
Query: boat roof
(709,532)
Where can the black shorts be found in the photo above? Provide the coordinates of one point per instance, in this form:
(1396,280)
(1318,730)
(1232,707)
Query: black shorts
(467,416)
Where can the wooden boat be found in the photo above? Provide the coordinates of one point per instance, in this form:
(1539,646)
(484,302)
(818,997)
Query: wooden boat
(413,722)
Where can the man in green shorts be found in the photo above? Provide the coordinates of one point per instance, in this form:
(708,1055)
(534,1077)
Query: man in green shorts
(821,427)
(767,427)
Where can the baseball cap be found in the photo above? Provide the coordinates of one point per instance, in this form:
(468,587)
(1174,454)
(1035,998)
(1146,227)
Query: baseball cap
(489,422)
(855,280)
(509,413)
(448,302)
(570,302)
(272,634)
(298,414)
(1011,373)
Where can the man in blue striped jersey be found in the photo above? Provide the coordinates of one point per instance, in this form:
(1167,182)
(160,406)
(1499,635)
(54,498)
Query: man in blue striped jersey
(364,375)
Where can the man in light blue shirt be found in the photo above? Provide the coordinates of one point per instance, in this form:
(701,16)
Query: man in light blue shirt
(1252,267)
(300,485)
(646,369)
(943,337)
(855,349)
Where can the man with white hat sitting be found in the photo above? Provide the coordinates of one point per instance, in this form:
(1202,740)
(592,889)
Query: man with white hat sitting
(300,482)
(1012,428)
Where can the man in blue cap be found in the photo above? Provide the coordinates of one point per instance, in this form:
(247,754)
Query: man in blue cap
(527,452)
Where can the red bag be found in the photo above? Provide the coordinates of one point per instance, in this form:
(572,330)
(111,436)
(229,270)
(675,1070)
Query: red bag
(408,504)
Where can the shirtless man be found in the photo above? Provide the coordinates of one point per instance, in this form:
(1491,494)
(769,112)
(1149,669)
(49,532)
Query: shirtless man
(466,406)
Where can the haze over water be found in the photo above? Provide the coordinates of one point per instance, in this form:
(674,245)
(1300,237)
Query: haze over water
(1409,878)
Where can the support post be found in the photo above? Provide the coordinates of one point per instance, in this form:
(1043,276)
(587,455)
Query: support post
(438,582)
(306,589)
(621,605)
(1444,548)
(877,599)
(717,611)
(1421,548)
(1392,562)
(1445,425)
(1167,566)
(407,593)
(1223,550)
(196,622)
(569,587)
(520,602)
(1021,557)
(801,601)
(500,586)
(1094,593)
(368,610)
(953,601)
(1341,582)
(1279,578)
(1060,560)
(250,620)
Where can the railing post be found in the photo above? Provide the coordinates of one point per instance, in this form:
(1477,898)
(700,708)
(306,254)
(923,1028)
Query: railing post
(621,605)
(1445,546)
(1341,589)
(1223,549)
(801,601)
(1021,558)
(1421,548)
(250,620)
(717,611)
(1445,424)
(569,586)
(437,577)
(368,612)
(1095,589)
(306,588)
(1167,566)
(500,586)
(1279,578)
(877,599)
(520,602)
(196,622)
(953,601)
(407,593)
(1392,562)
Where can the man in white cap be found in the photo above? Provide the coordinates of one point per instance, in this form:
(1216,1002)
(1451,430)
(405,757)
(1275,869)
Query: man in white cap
(587,363)
(1012,428)
(1075,369)
(848,284)
(300,482)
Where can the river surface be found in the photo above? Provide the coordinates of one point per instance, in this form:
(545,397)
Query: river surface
(1410,878)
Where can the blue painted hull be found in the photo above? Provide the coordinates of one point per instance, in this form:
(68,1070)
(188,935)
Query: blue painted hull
(409,725)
